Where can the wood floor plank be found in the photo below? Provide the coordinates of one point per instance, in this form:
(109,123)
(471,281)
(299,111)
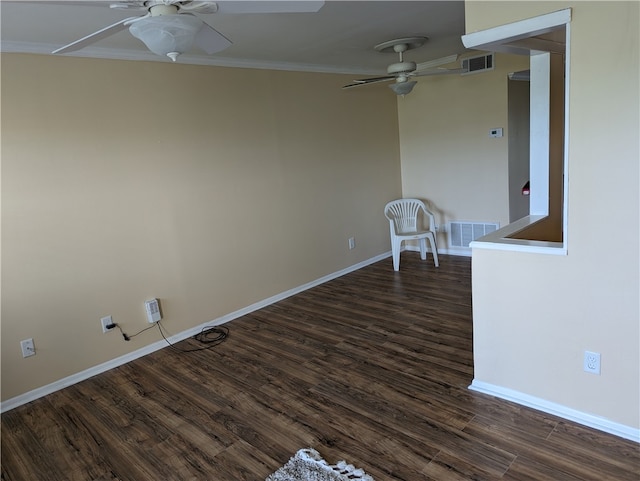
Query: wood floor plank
(241,462)
(526,469)
(372,367)
(437,436)
(407,401)
(579,459)
(449,467)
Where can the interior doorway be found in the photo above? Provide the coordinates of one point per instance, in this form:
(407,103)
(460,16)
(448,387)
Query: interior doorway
(518,123)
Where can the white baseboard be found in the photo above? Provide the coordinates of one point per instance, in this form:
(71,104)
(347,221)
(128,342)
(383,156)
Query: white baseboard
(113,363)
(559,410)
(452,251)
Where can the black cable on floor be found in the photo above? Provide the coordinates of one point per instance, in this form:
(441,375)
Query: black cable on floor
(210,335)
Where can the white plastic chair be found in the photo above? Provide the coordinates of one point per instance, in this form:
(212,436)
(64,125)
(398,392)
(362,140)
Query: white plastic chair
(403,215)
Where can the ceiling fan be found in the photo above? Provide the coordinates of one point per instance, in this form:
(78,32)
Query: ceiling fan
(169,27)
(402,70)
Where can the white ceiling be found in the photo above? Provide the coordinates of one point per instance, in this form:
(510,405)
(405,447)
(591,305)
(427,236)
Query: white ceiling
(338,38)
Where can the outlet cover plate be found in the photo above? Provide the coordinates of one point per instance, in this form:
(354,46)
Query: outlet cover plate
(592,362)
(28,348)
(106,321)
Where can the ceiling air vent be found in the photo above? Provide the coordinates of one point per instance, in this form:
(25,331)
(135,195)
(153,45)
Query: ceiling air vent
(479,63)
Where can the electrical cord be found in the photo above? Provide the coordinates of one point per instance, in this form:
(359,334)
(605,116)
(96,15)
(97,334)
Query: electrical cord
(125,336)
(211,335)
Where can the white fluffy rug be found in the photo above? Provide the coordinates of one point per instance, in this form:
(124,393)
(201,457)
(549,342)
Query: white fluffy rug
(308,465)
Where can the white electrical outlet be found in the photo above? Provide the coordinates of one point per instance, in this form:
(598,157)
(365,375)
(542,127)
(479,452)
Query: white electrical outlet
(105,321)
(28,348)
(352,243)
(592,362)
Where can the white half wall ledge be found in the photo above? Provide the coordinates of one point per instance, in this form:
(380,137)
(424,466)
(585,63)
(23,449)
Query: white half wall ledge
(586,419)
(156,346)
(497,38)
(501,240)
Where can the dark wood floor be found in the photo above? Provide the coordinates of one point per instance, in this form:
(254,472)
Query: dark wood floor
(372,367)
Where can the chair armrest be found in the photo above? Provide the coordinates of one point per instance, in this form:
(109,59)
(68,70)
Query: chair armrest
(432,219)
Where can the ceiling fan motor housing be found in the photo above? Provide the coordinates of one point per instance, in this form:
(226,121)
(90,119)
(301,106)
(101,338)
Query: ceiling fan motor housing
(401,67)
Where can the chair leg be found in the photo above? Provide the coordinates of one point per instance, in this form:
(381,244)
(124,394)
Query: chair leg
(434,250)
(423,249)
(395,251)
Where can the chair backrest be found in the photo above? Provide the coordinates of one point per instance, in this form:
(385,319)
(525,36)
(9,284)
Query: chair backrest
(403,215)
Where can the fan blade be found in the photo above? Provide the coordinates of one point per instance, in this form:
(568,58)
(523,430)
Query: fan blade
(440,71)
(437,62)
(210,40)
(128,5)
(197,6)
(87,3)
(368,81)
(265,6)
(114,4)
(99,35)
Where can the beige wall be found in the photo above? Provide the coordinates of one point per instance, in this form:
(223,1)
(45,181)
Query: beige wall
(535,315)
(208,188)
(448,157)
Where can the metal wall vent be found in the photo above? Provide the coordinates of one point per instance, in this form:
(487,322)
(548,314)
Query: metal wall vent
(479,63)
(462,233)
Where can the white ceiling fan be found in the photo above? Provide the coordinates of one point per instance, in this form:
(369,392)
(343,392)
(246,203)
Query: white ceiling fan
(402,71)
(172,27)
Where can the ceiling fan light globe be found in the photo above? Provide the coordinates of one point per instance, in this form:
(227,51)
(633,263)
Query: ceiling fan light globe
(403,88)
(167,34)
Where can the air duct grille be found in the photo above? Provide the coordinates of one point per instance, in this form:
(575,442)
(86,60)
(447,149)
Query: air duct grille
(462,233)
(478,63)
